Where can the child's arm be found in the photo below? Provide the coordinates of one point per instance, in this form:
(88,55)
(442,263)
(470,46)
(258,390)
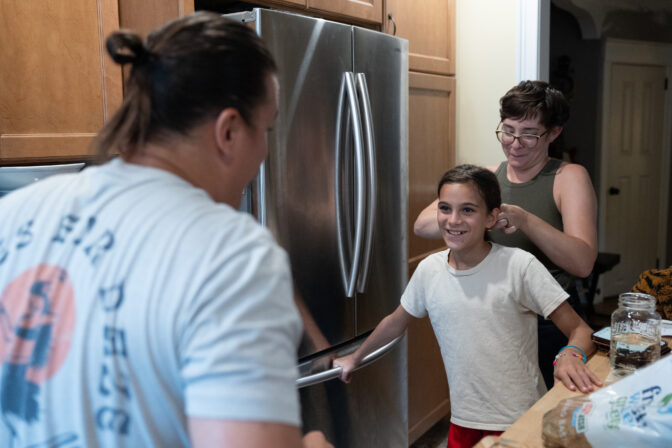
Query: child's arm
(390,327)
(569,367)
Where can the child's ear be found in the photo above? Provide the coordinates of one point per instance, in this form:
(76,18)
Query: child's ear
(492,218)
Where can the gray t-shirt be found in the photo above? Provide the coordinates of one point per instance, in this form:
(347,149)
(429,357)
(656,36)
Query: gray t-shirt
(131,302)
(485,320)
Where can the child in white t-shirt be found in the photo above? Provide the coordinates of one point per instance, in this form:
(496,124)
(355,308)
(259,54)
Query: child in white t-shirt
(482,300)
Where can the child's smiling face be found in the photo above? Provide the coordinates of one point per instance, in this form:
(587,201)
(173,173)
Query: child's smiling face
(464,217)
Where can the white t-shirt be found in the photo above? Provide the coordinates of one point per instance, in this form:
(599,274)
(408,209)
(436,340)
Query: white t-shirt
(130,301)
(485,320)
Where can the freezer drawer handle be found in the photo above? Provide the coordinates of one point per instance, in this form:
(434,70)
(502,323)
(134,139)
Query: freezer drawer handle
(349,282)
(330,374)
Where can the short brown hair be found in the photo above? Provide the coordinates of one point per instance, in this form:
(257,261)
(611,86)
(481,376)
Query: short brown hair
(485,181)
(535,98)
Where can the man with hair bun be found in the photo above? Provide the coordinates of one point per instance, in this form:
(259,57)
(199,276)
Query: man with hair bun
(138,307)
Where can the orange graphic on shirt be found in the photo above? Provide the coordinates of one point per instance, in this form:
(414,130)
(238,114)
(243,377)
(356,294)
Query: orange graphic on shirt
(37,318)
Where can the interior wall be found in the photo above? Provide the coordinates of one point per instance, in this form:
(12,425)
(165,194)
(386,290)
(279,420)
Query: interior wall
(485,69)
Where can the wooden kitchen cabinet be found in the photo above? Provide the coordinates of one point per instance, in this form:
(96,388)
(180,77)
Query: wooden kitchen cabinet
(227,6)
(431,153)
(367,10)
(431,148)
(428,395)
(429,26)
(301,3)
(368,13)
(57,86)
(143,16)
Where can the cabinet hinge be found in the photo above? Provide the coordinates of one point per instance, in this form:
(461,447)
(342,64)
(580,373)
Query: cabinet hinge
(665,83)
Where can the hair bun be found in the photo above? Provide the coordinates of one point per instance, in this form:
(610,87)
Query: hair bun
(125,47)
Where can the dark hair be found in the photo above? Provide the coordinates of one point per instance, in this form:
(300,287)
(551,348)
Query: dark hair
(531,98)
(188,71)
(483,179)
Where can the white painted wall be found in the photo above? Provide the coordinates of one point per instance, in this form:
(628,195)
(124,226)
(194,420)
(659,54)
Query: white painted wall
(486,37)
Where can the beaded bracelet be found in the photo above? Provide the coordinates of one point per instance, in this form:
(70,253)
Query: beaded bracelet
(584,359)
(559,355)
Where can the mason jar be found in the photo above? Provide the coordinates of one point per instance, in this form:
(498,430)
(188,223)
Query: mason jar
(635,333)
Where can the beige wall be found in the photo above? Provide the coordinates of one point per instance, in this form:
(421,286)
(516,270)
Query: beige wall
(486,68)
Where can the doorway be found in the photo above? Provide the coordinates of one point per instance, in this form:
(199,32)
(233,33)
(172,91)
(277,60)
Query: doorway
(635,160)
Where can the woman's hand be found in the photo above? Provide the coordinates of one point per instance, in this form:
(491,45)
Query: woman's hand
(510,218)
(573,373)
(348,365)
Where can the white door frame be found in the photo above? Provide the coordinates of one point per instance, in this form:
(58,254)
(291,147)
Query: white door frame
(642,53)
(533,40)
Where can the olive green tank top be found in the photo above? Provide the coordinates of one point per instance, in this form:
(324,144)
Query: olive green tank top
(536,197)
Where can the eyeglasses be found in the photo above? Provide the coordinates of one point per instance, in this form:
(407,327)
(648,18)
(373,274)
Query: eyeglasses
(525,140)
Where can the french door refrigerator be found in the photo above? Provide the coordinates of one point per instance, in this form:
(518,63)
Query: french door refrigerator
(333,191)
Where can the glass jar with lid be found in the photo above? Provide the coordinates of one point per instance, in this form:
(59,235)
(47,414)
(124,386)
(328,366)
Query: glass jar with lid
(635,333)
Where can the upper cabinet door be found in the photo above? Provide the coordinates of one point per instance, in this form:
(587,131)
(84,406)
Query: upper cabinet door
(367,10)
(144,16)
(287,2)
(430,30)
(58,86)
(431,136)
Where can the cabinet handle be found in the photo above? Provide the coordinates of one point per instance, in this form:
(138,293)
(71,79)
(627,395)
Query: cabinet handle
(389,17)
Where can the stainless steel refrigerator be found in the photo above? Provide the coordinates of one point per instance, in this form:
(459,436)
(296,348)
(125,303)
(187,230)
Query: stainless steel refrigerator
(333,191)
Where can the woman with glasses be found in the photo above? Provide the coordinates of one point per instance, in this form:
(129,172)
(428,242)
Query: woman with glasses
(548,207)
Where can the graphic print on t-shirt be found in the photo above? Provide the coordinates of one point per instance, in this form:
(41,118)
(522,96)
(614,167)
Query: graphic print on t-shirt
(37,319)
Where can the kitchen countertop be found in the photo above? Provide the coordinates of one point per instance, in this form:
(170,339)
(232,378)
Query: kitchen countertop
(527,429)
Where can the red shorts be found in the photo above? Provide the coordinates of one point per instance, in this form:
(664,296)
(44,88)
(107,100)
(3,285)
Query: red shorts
(461,437)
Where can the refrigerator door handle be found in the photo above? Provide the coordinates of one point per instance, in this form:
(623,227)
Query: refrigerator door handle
(348,88)
(363,91)
(310,380)
(261,195)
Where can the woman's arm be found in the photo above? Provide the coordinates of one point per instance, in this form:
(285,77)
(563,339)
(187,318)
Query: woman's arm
(575,249)
(569,367)
(426,224)
(390,327)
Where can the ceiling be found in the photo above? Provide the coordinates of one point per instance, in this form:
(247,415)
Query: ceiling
(595,17)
